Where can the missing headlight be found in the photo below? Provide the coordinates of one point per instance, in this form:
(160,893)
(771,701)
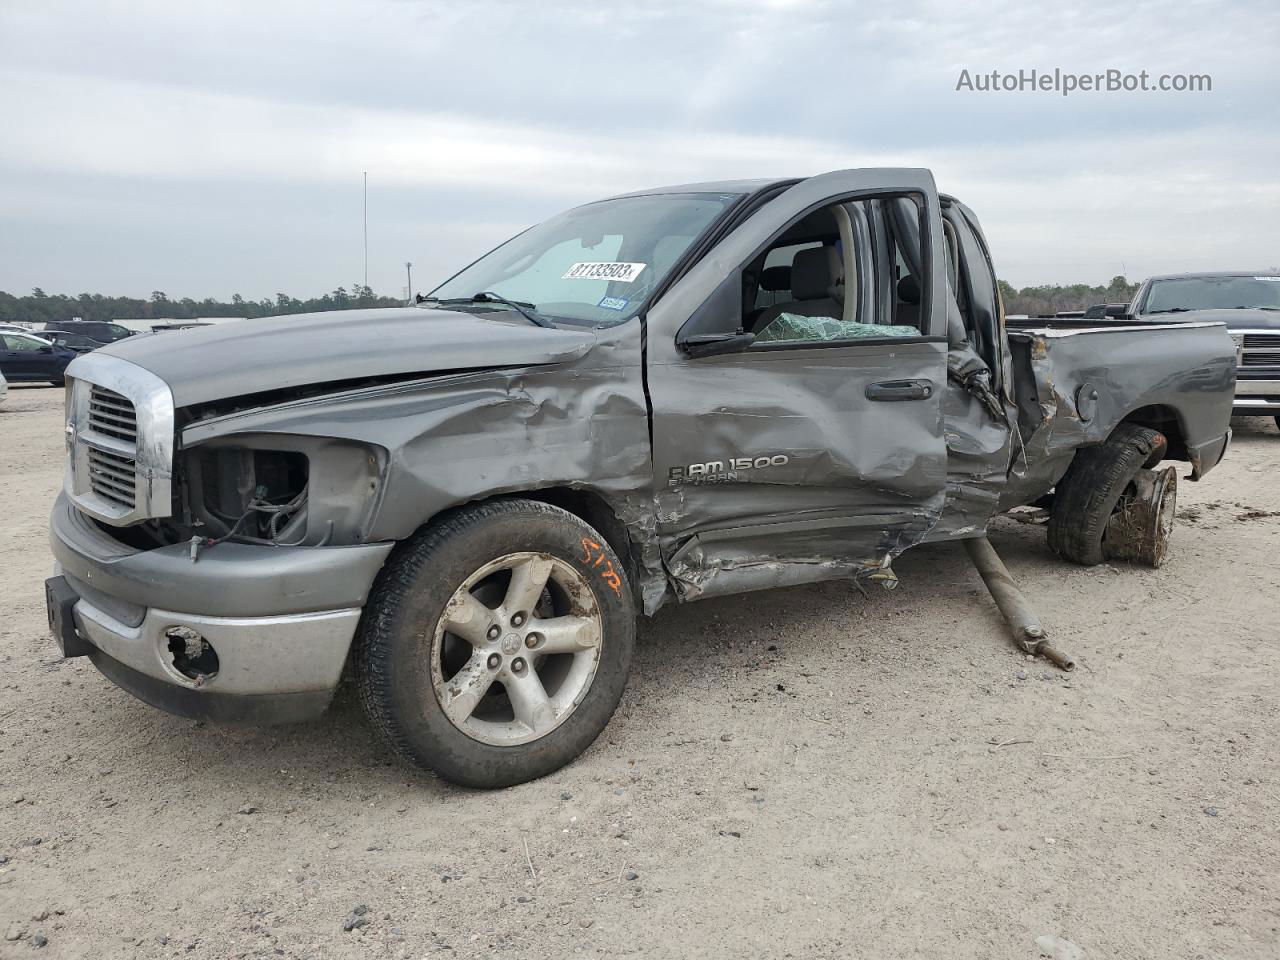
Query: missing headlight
(251,495)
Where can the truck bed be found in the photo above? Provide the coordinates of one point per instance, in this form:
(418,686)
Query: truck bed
(1075,380)
(1081,323)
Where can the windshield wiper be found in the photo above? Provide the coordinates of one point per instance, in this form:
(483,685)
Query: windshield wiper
(527,310)
(1171,310)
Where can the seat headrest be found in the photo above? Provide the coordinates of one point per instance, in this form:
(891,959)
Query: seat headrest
(815,272)
(908,290)
(774,279)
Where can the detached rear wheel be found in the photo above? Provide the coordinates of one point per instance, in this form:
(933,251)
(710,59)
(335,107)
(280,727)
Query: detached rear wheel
(1101,480)
(496,644)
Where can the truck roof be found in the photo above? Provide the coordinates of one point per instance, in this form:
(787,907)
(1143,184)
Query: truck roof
(748,185)
(1213,273)
(712,186)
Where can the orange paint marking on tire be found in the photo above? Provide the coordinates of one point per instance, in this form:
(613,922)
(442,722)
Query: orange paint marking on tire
(593,555)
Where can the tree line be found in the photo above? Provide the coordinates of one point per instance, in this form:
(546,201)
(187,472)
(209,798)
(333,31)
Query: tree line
(41,307)
(1048,299)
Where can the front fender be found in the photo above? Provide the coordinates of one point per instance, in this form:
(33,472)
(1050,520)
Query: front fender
(455,439)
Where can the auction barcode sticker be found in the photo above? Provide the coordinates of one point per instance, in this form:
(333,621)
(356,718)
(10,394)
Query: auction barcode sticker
(622,272)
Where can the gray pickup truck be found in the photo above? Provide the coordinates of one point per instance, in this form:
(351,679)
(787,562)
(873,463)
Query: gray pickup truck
(1248,302)
(665,396)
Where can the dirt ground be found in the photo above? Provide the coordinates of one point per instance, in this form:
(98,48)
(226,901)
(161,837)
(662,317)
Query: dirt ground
(797,773)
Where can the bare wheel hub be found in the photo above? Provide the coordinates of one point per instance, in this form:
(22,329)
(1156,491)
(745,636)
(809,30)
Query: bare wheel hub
(531,604)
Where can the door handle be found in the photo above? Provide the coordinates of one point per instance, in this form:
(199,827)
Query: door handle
(900,390)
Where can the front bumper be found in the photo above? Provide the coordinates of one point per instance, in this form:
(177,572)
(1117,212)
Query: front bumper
(280,619)
(1256,397)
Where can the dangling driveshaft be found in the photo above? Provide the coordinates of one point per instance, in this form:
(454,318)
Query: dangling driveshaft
(1027,631)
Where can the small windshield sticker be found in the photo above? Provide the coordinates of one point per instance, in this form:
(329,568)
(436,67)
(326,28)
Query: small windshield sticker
(622,272)
(1272,279)
(613,303)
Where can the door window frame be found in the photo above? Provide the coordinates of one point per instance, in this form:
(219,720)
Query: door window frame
(862,259)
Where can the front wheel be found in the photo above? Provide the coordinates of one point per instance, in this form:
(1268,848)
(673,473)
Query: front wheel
(496,644)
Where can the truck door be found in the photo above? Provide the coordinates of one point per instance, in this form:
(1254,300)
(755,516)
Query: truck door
(814,450)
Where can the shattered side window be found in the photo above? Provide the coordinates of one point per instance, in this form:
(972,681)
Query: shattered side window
(790,327)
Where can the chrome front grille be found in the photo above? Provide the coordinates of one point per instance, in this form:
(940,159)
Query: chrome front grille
(113,477)
(1260,350)
(120,439)
(112,415)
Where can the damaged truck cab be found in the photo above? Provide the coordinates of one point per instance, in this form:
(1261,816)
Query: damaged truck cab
(669,395)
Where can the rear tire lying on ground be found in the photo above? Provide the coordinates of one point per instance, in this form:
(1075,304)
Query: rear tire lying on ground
(496,643)
(1087,495)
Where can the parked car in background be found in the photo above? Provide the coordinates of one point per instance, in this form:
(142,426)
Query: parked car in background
(15,328)
(24,357)
(1103,311)
(73,341)
(169,327)
(1249,303)
(99,330)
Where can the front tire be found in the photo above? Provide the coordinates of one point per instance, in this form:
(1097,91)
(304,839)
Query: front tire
(496,643)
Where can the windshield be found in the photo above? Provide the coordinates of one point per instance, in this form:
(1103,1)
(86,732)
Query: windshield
(594,264)
(1213,293)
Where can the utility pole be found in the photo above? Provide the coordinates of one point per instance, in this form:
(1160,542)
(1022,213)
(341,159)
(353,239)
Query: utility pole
(366,230)
(408,272)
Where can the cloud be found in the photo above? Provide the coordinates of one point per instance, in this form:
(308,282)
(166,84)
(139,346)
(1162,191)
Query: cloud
(206,148)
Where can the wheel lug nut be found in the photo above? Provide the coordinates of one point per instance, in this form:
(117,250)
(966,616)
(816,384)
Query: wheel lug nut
(494,661)
(494,632)
(517,619)
(532,640)
(517,665)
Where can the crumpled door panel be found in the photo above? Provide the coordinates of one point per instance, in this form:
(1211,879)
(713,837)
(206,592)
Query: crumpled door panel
(776,468)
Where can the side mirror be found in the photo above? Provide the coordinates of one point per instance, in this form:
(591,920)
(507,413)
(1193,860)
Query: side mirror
(46,349)
(707,325)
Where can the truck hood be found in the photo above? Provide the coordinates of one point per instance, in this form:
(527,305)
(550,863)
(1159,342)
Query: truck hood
(234,359)
(1234,319)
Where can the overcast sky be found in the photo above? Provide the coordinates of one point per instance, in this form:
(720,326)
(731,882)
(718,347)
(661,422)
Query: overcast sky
(206,149)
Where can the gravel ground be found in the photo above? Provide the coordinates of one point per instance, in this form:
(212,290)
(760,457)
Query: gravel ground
(799,773)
